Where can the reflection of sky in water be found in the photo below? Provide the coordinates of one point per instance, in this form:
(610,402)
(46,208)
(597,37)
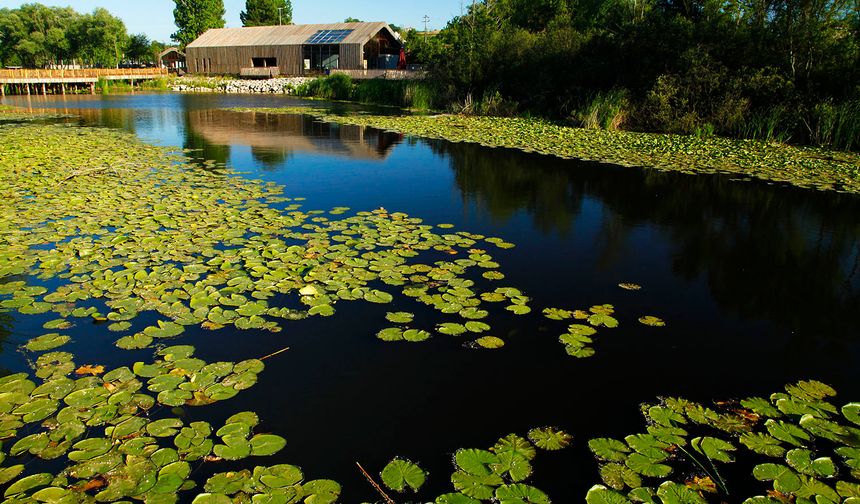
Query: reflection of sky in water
(760,285)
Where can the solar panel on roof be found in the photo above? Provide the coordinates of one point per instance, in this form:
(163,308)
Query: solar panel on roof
(328,37)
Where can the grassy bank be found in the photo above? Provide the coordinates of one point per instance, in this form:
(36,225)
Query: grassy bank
(800,166)
(416,95)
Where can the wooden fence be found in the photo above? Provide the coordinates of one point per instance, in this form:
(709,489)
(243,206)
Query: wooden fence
(84,74)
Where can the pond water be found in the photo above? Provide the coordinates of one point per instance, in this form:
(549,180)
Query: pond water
(759,285)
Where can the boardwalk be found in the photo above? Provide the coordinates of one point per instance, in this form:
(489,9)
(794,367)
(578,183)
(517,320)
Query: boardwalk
(25,81)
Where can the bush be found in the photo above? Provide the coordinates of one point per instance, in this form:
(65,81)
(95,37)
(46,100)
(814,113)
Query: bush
(835,125)
(333,87)
(419,95)
(604,111)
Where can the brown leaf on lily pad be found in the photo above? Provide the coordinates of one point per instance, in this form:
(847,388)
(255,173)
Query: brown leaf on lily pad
(89,369)
(705,484)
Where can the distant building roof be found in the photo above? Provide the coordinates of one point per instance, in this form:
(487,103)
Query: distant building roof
(170,50)
(334,33)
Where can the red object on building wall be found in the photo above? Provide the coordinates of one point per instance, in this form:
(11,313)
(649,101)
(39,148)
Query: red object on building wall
(401,64)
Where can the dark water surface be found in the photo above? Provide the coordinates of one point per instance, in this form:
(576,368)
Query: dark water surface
(759,285)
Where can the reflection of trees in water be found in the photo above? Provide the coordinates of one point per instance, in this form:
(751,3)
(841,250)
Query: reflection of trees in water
(203,149)
(786,254)
(504,183)
(271,158)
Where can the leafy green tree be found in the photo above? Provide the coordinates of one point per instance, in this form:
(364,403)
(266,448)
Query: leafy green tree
(138,49)
(193,17)
(352,20)
(267,12)
(99,38)
(155,49)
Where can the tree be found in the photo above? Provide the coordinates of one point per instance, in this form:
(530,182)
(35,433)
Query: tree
(138,49)
(267,12)
(352,20)
(155,50)
(99,38)
(193,17)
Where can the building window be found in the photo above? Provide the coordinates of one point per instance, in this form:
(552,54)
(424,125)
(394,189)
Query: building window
(321,56)
(264,62)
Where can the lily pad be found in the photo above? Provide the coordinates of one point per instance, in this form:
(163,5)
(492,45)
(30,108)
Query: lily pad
(47,342)
(400,474)
(550,438)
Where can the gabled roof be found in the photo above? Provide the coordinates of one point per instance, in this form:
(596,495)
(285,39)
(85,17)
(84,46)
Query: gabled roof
(360,33)
(170,50)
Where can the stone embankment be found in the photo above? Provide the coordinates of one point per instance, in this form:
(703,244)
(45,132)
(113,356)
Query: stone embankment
(285,85)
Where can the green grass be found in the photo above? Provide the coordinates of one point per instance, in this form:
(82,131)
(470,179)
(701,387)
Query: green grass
(800,166)
(415,95)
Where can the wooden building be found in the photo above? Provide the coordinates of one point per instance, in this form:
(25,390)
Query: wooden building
(172,59)
(266,51)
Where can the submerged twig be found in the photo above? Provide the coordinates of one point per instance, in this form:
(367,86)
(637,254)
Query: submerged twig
(275,353)
(385,497)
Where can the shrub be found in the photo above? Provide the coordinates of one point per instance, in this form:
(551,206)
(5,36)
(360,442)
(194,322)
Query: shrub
(604,110)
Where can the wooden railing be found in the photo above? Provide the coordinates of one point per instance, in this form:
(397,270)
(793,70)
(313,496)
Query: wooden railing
(90,73)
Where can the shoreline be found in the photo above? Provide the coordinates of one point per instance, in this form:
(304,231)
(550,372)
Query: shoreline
(805,167)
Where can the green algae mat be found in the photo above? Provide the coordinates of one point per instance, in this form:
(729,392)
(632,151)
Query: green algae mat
(799,166)
(100,228)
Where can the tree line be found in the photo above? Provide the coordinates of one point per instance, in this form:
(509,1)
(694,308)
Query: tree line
(37,36)
(194,17)
(769,69)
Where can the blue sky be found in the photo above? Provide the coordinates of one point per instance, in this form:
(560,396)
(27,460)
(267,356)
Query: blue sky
(155,17)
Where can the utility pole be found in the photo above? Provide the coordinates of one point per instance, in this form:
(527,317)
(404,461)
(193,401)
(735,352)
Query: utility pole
(426,20)
(280,11)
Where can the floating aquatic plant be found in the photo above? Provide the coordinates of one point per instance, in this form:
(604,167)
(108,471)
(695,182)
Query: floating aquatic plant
(799,166)
(147,232)
(498,474)
(802,447)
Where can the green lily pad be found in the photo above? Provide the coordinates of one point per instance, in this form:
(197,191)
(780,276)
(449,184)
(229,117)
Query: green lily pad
(166,427)
(400,317)
(763,444)
(267,444)
(321,491)
(379,297)
(47,342)
(801,460)
(490,342)
(480,487)
(713,448)
(456,498)
(619,476)
(400,474)
(550,438)
(519,493)
(90,448)
(513,443)
(609,449)
(650,320)
(784,479)
(451,329)
(851,412)
(599,494)
(475,462)
(28,483)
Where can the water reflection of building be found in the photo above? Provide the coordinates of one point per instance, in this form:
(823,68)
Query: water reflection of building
(289,133)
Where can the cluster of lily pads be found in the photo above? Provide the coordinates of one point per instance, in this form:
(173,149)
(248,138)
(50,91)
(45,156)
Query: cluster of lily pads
(143,231)
(800,166)
(498,474)
(578,337)
(107,426)
(801,447)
